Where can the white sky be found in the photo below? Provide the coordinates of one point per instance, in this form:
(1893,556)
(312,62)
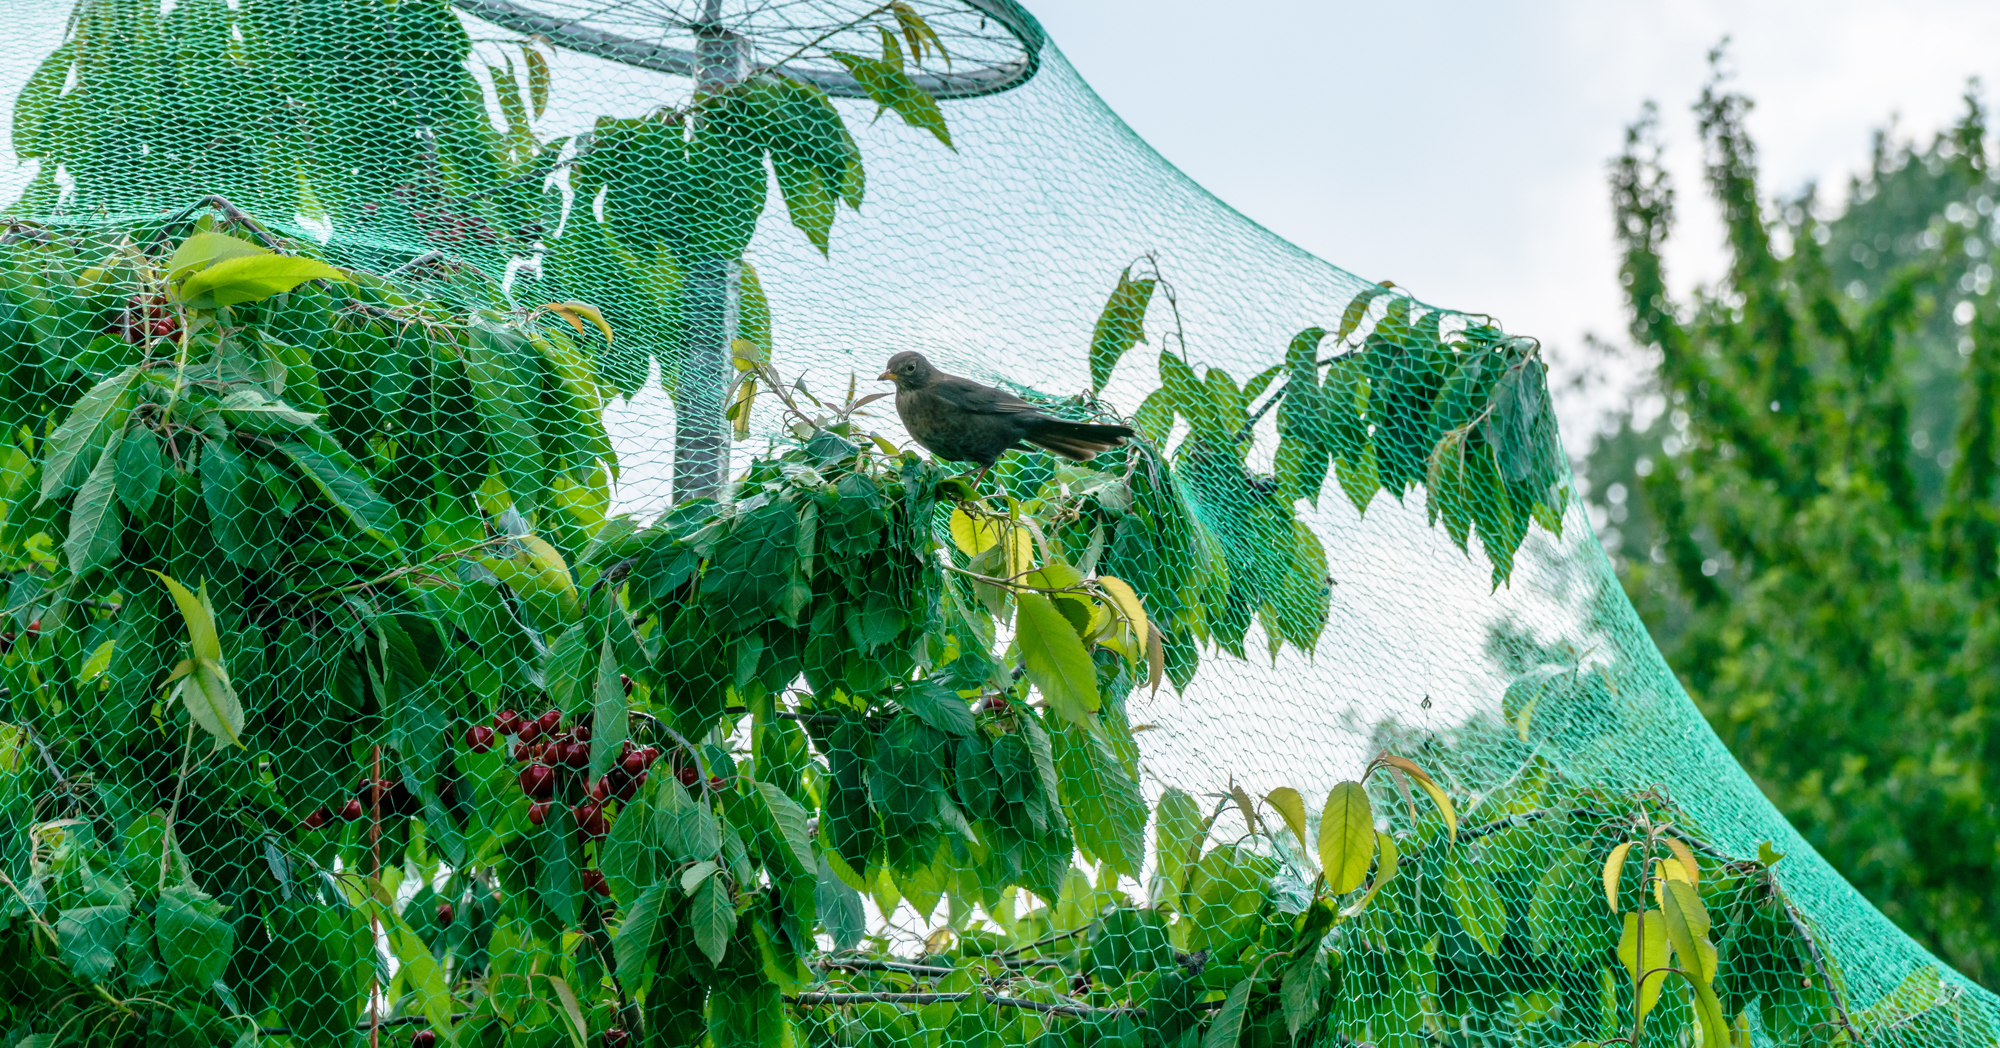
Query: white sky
(1492,197)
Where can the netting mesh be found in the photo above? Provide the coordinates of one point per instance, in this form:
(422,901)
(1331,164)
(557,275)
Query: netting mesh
(378,377)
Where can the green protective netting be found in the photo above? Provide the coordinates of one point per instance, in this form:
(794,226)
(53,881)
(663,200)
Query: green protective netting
(379,375)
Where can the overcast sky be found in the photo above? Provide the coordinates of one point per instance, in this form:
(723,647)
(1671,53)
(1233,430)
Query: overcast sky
(1459,148)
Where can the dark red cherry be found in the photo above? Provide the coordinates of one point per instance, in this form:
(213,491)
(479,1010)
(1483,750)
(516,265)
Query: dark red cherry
(538,781)
(480,738)
(351,812)
(445,914)
(538,812)
(317,819)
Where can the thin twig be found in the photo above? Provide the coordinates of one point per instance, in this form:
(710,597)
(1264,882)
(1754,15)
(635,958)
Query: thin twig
(869,964)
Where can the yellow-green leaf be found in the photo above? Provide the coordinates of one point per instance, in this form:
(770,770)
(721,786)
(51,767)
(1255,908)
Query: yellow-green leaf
(1647,957)
(199,616)
(1126,599)
(1430,788)
(578,312)
(1293,807)
(1614,868)
(1346,837)
(1385,871)
(233,281)
(1687,928)
(1714,1021)
(206,249)
(1686,856)
(973,537)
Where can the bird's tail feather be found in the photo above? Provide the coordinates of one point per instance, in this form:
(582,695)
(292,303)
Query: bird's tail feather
(1081,441)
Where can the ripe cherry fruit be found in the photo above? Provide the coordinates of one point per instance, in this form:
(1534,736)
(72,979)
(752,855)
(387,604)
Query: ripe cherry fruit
(590,820)
(479,737)
(528,730)
(550,720)
(600,791)
(630,786)
(317,818)
(616,1037)
(424,1039)
(538,781)
(523,751)
(635,763)
(351,812)
(445,915)
(507,722)
(593,880)
(688,776)
(538,812)
(580,733)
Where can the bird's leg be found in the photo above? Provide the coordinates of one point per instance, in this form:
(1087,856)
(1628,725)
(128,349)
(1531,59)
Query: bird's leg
(978,478)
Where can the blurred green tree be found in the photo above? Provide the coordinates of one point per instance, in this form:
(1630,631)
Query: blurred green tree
(1802,506)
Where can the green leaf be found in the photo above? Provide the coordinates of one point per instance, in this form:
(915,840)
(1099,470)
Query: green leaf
(1477,904)
(891,88)
(610,721)
(94,527)
(713,916)
(807,201)
(1227,1028)
(322,954)
(938,706)
(500,396)
(1346,838)
(839,908)
(1178,829)
(1056,661)
(346,490)
(790,821)
(88,938)
(211,701)
(234,281)
(140,469)
(72,448)
(1120,326)
(638,933)
(1106,808)
(1300,991)
(193,939)
(424,977)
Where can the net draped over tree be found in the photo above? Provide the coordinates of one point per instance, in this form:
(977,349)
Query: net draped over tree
(463,590)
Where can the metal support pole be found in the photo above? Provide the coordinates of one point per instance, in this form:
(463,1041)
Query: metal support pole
(701,436)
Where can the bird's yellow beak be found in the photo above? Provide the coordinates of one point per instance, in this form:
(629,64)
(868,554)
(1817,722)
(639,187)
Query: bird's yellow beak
(887,376)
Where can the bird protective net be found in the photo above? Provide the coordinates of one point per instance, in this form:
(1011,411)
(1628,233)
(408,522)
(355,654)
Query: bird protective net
(460,588)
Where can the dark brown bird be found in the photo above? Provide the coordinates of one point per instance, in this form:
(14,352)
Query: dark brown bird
(956,418)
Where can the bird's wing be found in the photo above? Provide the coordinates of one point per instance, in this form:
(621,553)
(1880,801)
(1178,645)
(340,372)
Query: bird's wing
(978,398)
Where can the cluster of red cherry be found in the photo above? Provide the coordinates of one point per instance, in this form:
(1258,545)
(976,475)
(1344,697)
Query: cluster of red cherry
(144,318)
(556,761)
(395,797)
